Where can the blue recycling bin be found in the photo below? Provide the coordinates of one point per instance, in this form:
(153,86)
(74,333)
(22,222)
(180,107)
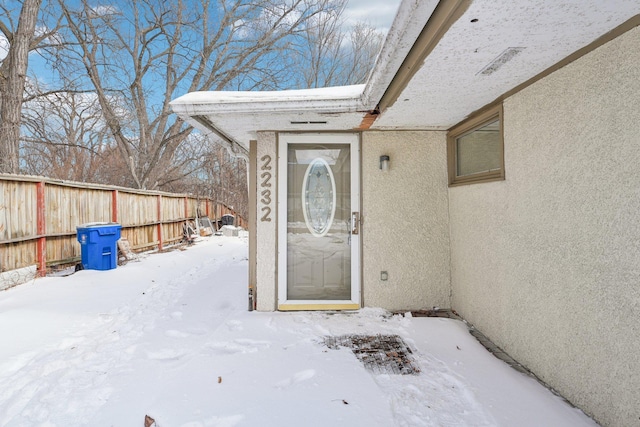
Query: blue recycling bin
(98,244)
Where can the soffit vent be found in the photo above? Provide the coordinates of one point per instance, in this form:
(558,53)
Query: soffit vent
(502,59)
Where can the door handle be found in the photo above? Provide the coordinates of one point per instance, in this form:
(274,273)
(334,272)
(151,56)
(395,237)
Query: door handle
(355,222)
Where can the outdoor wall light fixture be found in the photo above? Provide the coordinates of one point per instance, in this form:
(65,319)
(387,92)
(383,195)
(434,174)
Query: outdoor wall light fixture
(384,163)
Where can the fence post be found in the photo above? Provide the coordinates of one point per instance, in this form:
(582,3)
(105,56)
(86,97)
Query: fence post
(159,222)
(41,244)
(186,207)
(114,206)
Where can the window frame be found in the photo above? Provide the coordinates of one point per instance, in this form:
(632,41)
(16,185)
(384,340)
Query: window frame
(465,128)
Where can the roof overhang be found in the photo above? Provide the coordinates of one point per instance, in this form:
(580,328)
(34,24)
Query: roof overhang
(493,47)
(237,116)
(441,61)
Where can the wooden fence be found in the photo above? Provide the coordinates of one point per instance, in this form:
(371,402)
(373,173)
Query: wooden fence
(38,218)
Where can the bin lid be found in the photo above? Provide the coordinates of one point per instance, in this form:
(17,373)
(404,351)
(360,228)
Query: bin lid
(98,225)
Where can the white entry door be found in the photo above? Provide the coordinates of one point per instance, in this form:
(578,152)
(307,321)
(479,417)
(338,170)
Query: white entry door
(319,222)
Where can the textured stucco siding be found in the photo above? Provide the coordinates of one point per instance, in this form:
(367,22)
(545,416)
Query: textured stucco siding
(266,231)
(405,228)
(547,262)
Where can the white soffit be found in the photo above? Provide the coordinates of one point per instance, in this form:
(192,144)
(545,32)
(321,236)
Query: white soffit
(450,85)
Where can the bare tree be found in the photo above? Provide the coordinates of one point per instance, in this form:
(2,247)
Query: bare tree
(13,72)
(64,136)
(226,176)
(219,175)
(140,54)
(121,65)
(332,55)
(321,53)
(26,27)
(185,175)
(363,49)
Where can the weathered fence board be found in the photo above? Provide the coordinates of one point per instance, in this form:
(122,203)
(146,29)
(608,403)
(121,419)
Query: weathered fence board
(137,209)
(62,249)
(173,207)
(141,237)
(76,205)
(16,255)
(17,210)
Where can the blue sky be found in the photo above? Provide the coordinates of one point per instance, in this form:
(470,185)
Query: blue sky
(379,13)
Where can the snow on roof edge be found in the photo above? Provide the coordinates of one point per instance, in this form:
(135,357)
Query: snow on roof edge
(338,94)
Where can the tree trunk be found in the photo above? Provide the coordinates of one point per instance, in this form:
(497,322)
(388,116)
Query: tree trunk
(12,86)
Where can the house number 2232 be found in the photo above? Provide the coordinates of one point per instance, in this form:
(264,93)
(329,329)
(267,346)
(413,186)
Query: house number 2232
(265,187)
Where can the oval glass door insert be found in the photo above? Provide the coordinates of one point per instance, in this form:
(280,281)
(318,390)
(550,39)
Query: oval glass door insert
(319,197)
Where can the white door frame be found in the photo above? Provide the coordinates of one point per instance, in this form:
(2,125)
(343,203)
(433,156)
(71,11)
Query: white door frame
(353,139)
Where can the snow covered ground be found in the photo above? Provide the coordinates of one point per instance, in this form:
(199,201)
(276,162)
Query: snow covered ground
(170,337)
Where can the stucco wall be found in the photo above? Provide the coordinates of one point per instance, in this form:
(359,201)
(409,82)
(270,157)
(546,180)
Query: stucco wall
(547,262)
(405,220)
(266,246)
